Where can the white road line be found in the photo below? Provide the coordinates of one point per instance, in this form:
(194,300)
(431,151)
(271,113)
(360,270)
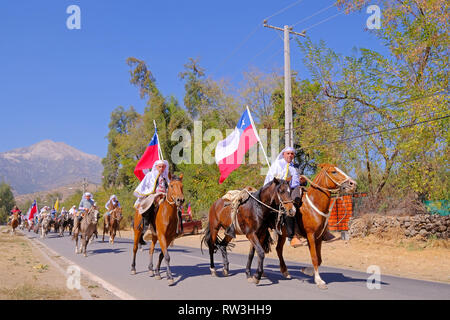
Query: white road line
(83,292)
(108,286)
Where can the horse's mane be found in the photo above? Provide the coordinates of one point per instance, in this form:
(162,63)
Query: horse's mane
(176,178)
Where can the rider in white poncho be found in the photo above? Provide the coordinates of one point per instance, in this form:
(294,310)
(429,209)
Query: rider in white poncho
(155,183)
(283,168)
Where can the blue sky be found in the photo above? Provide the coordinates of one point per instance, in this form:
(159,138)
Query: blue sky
(62,84)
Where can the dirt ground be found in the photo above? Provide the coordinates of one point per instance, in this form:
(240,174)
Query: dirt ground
(27,274)
(409,258)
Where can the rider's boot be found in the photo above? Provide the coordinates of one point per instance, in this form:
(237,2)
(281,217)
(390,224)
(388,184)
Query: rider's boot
(148,225)
(327,235)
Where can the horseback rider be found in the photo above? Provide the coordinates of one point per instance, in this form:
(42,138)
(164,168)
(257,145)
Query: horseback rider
(154,184)
(53,213)
(19,213)
(86,204)
(281,168)
(113,202)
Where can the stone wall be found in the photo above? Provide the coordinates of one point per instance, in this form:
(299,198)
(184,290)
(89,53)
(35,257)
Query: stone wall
(421,225)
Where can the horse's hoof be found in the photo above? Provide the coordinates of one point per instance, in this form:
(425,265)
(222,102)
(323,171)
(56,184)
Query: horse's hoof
(225,272)
(158,277)
(255,281)
(308,271)
(133,272)
(322,286)
(171,282)
(286,275)
(250,279)
(151,273)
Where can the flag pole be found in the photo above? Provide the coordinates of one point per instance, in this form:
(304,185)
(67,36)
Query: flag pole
(159,144)
(257,136)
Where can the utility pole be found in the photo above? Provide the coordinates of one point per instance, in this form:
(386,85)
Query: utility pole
(289,128)
(84,185)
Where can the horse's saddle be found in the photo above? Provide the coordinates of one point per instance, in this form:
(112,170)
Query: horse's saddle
(147,202)
(235,198)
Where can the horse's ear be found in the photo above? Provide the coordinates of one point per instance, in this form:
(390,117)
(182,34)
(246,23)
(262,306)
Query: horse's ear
(170,176)
(181,177)
(276,181)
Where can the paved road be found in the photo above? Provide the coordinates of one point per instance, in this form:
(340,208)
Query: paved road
(193,280)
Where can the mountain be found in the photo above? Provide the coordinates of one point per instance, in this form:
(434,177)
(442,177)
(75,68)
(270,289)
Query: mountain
(47,165)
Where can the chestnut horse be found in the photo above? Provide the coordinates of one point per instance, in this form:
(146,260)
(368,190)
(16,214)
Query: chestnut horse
(261,211)
(315,212)
(14,222)
(114,223)
(166,222)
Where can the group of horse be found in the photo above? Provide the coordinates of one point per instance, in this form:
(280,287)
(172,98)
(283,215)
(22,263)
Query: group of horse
(85,229)
(263,211)
(46,222)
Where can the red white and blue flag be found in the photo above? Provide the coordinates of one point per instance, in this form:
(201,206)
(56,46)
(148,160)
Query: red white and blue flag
(189,212)
(231,151)
(150,156)
(32,211)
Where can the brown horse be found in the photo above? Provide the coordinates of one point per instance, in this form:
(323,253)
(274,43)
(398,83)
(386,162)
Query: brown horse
(315,211)
(114,223)
(86,229)
(14,222)
(166,222)
(261,211)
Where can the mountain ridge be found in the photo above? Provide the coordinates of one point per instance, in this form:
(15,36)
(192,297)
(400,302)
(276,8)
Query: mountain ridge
(47,165)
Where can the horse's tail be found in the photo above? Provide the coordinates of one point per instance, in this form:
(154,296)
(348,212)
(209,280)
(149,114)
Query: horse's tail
(206,239)
(267,242)
(218,244)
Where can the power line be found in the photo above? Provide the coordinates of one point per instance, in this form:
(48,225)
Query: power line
(411,99)
(284,9)
(377,132)
(374,125)
(240,45)
(324,20)
(313,15)
(247,38)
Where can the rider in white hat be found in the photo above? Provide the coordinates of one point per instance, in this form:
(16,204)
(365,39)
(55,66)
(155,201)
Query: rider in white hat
(155,182)
(112,202)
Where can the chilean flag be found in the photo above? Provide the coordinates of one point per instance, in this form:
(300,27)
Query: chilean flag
(32,211)
(231,151)
(150,156)
(189,210)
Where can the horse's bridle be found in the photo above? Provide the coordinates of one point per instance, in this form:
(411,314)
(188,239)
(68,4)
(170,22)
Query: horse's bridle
(281,209)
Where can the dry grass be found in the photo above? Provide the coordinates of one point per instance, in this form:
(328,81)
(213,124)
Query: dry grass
(28,291)
(26,275)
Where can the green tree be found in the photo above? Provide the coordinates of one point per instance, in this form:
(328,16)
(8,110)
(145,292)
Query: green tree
(369,92)
(7,201)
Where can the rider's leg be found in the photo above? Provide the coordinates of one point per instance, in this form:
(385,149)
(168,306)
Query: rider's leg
(290,229)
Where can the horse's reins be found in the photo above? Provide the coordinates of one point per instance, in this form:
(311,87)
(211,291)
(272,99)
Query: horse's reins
(279,212)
